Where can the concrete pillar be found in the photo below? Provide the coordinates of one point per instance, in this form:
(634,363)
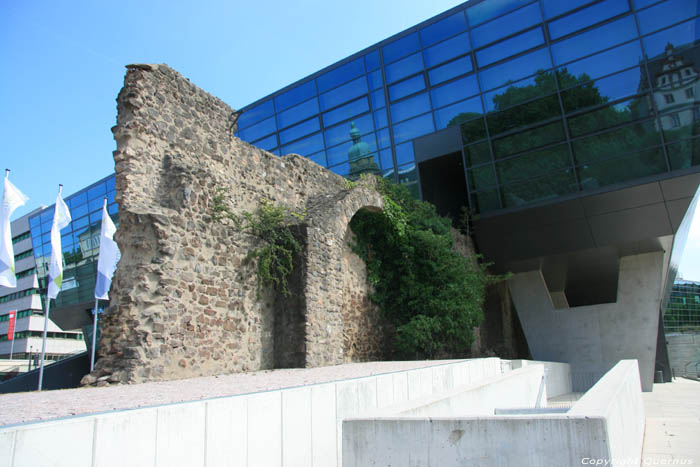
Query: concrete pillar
(594,338)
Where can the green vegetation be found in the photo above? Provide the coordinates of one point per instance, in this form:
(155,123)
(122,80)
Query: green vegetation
(272,226)
(431,295)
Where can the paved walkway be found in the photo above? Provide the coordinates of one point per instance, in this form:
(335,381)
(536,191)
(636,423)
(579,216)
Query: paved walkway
(672,435)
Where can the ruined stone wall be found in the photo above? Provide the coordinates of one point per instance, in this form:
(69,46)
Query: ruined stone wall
(184,300)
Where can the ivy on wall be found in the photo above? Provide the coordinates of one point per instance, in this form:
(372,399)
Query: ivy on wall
(432,295)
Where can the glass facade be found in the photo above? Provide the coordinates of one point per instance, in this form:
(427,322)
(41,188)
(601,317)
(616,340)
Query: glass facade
(79,241)
(552,98)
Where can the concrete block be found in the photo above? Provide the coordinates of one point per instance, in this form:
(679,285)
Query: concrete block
(347,405)
(7,441)
(400,386)
(227,432)
(323,426)
(385,390)
(296,427)
(265,429)
(63,443)
(366,394)
(420,383)
(181,435)
(126,438)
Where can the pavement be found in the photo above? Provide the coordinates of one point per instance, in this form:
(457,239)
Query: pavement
(672,435)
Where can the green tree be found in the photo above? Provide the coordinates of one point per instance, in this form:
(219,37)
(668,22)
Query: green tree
(432,295)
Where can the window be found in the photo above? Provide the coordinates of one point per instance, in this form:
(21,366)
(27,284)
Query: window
(675,120)
(689,93)
(669,98)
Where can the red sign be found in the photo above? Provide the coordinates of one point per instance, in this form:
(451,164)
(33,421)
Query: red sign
(11,326)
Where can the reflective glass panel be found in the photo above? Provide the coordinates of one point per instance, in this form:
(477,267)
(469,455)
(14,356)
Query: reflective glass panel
(375,79)
(79,210)
(681,122)
(295,95)
(524,115)
(255,114)
(446,50)
(616,142)
(684,154)
(339,154)
(413,128)
(485,201)
(683,34)
(305,146)
(404,153)
(407,174)
(110,183)
(404,68)
(484,11)
(473,130)
(372,60)
(383,138)
(96,204)
(618,114)
(259,130)
(642,3)
(482,177)
(477,153)
(297,131)
(297,113)
(343,169)
(530,139)
(458,67)
(534,164)
(340,75)
(348,110)
(521,91)
(343,93)
(378,99)
(410,107)
(601,64)
(508,47)
(666,14)
(554,8)
(505,25)
(604,90)
(587,17)
(515,69)
(620,169)
(443,29)
(319,158)
(400,48)
(341,132)
(267,143)
(594,40)
(386,159)
(380,119)
(406,87)
(454,91)
(98,191)
(458,113)
(550,186)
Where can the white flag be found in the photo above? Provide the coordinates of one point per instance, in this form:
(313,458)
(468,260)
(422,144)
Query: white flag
(12,198)
(61,218)
(109,256)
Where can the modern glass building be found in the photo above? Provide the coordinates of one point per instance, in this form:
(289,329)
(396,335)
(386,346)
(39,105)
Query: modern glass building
(536,100)
(80,244)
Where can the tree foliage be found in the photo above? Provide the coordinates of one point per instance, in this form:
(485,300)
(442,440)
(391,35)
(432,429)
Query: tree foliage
(432,295)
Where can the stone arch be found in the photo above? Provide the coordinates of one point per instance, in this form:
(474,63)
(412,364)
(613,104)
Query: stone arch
(325,270)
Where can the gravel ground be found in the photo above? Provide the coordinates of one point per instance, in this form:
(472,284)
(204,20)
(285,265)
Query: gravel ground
(45,405)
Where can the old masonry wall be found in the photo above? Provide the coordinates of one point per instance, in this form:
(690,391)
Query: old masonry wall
(184,298)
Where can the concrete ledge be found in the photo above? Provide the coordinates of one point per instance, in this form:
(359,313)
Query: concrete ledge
(558,375)
(605,426)
(293,426)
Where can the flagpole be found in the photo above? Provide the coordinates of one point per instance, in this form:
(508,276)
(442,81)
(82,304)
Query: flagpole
(94,338)
(48,300)
(43,342)
(12,345)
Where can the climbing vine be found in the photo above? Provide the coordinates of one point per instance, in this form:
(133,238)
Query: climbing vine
(272,226)
(431,295)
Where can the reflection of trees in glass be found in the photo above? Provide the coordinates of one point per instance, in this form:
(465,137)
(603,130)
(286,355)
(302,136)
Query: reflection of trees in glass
(529,117)
(683,312)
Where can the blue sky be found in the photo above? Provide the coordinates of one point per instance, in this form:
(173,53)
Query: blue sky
(63,65)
